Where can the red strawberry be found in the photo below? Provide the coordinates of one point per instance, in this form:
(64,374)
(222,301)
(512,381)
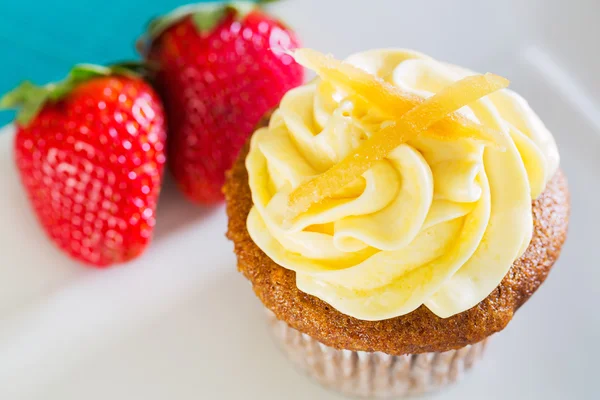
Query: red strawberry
(221,68)
(90,152)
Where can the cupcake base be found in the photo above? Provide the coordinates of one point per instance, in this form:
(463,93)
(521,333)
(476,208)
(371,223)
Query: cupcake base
(379,375)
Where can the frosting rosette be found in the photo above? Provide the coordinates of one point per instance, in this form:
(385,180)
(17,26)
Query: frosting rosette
(438,222)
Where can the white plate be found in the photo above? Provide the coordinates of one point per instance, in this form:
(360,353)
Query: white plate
(181,323)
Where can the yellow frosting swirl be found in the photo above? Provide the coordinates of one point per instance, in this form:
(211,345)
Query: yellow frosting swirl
(438,222)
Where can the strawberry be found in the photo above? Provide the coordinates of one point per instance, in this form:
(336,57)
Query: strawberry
(221,68)
(90,153)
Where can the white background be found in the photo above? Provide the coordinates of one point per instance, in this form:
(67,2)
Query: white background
(181,323)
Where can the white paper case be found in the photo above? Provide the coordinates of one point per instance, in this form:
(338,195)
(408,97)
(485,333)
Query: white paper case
(380,375)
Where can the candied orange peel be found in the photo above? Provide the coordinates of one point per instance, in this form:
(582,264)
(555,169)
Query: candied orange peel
(388,98)
(415,117)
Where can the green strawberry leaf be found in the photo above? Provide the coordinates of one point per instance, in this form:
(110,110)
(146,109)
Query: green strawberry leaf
(29,98)
(206,17)
(242,8)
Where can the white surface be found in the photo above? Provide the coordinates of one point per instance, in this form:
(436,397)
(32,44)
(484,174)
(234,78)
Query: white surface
(181,323)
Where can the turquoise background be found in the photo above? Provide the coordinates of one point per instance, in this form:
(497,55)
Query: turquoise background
(41,40)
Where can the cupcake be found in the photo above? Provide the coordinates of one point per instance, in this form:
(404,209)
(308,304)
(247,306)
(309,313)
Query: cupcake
(393,215)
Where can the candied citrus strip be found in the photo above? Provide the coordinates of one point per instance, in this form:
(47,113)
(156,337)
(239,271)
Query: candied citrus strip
(381,143)
(388,98)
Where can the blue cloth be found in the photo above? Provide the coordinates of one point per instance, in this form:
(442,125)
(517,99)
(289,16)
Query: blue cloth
(40,40)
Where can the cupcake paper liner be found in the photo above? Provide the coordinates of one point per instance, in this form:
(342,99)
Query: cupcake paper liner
(379,375)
